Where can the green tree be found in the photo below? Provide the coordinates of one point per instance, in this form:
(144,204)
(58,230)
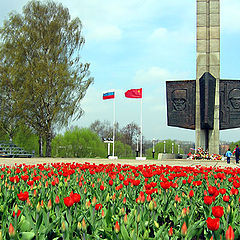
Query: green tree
(9,120)
(77,142)
(26,139)
(122,150)
(129,134)
(48,80)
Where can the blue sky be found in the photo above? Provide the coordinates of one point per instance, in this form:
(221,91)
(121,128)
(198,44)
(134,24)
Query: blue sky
(143,43)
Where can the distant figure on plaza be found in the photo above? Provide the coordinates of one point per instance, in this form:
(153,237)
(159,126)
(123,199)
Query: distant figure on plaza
(228,155)
(236,152)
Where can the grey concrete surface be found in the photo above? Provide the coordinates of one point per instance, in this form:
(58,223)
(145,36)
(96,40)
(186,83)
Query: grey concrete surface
(170,162)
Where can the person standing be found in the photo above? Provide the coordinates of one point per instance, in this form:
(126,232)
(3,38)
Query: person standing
(237,152)
(228,155)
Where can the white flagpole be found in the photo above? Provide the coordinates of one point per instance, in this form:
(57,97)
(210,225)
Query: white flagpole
(113,123)
(141,140)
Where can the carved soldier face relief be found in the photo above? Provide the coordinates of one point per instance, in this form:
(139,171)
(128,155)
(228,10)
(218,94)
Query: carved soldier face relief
(234,98)
(179,99)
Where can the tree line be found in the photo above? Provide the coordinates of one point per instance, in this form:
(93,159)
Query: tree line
(89,142)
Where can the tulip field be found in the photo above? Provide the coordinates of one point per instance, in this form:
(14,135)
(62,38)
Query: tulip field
(90,201)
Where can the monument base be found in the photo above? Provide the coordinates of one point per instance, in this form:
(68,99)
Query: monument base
(163,156)
(141,158)
(113,158)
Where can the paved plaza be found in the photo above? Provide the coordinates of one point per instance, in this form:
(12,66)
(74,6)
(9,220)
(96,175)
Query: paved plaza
(170,162)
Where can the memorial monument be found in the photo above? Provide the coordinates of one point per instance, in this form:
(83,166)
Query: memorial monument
(206,104)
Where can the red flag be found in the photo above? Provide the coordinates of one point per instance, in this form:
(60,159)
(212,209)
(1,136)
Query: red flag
(134,93)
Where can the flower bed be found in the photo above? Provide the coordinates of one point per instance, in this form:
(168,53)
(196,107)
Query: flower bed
(88,201)
(203,155)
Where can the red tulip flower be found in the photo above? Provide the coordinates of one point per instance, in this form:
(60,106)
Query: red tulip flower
(165,185)
(208,200)
(68,201)
(226,198)
(229,233)
(76,197)
(191,193)
(222,191)
(213,223)
(184,229)
(98,206)
(170,232)
(24,177)
(23,196)
(117,227)
(217,211)
(57,200)
(11,230)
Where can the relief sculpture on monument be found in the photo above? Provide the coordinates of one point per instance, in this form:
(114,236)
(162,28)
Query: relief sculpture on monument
(181,103)
(229,104)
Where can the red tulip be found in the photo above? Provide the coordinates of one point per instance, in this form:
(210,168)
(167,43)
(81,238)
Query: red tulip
(57,200)
(217,211)
(11,230)
(191,193)
(184,229)
(165,185)
(76,197)
(98,206)
(208,200)
(229,233)
(170,232)
(226,198)
(68,201)
(23,196)
(117,227)
(24,177)
(222,191)
(213,223)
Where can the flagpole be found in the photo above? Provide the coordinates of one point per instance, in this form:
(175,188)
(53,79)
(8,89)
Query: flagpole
(113,124)
(141,140)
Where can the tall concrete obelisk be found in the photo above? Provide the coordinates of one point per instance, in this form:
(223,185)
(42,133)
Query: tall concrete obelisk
(208,61)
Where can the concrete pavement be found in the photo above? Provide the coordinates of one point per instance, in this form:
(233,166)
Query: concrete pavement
(170,162)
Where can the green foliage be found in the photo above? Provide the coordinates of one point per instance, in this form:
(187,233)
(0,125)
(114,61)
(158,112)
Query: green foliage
(26,139)
(123,150)
(78,142)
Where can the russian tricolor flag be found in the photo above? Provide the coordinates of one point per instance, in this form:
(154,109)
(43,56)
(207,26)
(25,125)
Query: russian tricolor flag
(108,95)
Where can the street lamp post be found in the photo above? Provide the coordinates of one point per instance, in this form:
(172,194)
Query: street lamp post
(178,148)
(172,148)
(137,151)
(164,146)
(153,151)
